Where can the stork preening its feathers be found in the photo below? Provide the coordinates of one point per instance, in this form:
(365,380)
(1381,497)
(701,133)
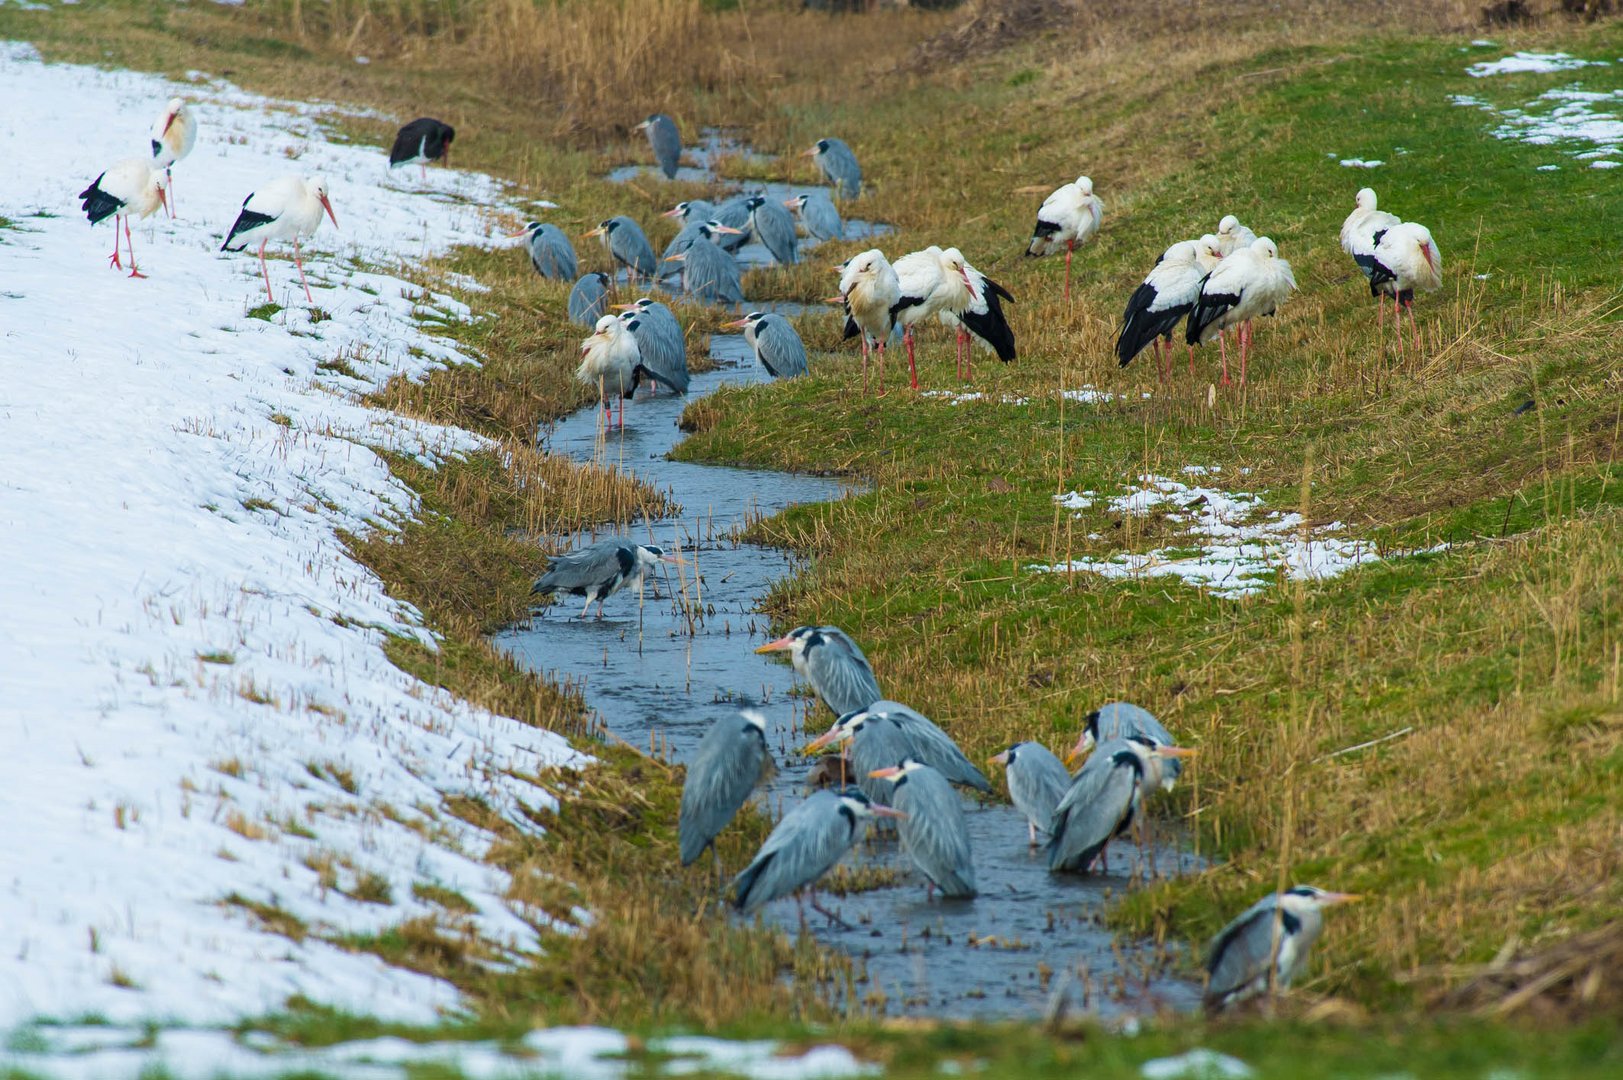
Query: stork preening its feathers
(289,208)
(131,187)
(1166,297)
(979,314)
(1071,215)
(173,137)
(1399,258)
(1232,236)
(870,291)
(1251,282)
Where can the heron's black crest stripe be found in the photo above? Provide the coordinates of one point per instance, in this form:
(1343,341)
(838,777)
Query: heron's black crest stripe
(248,219)
(98,205)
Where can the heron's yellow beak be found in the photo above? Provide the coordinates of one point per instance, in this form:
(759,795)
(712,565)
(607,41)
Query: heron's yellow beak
(728,230)
(1346,897)
(516,235)
(822,740)
(1177,751)
(792,203)
(885,811)
(998,759)
(736,325)
(775,646)
(599,231)
(885,773)
(809,153)
(680,256)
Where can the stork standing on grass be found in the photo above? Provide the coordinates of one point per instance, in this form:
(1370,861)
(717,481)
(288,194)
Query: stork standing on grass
(1406,262)
(423,140)
(870,291)
(627,246)
(1071,215)
(1251,282)
(1232,236)
(665,140)
(131,187)
(1360,233)
(978,315)
(839,164)
(288,208)
(1166,297)
(924,293)
(173,137)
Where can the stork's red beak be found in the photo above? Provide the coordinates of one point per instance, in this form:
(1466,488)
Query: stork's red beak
(327,206)
(168,122)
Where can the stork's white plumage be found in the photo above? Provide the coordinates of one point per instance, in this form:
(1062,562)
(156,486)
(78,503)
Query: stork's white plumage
(609,361)
(1406,262)
(925,292)
(1167,295)
(1358,231)
(977,312)
(132,187)
(1071,215)
(288,208)
(1232,236)
(870,291)
(1252,281)
(173,137)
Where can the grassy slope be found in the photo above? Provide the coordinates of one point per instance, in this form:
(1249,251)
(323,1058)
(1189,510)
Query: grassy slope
(1029,655)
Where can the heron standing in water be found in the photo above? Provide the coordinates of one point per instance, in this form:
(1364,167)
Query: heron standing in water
(839,164)
(665,140)
(777,346)
(600,570)
(804,846)
(1103,801)
(732,761)
(933,833)
(1037,782)
(826,657)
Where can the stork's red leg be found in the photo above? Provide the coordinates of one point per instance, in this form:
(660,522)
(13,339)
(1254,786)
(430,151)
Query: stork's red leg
(1191,349)
(1222,349)
(1415,327)
(1245,348)
(169,182)
(114,262)
(1070,247)
(266,270)
(864,365)
(299,262)
(880,363)
(912,367)
(129,245)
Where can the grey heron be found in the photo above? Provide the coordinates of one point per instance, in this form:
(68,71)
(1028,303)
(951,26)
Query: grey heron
(173,137)
(627,246)
(777,345)
(1165,297)
(839,164)
(665,140)
(976,313)
(731,761)
(708,272)
(589,299)
(870,291)
(876,741)
(804,846)
(1122,720)
(933,833)
(818,214)
(551,253)
(1037,782)
(773,227)
(611,363)
(826,657)
(1232,236)
(692,214)
(922,738)
(1070,215)
(1250,282)
(1103,800)
(1267,944)
(598,571)
(735,213)
(660,343)
(423,140)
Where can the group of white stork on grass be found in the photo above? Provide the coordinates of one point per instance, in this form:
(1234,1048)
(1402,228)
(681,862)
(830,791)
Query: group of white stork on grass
(288,208)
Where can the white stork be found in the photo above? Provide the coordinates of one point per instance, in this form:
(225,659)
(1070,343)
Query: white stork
(973,305)
(609,361)
(869,289)
(1406,262)
(1253,281)
(924,293)
(1167,295)
(132,186)
(173,137)
(1360,233)
(1071,215)
(288,208)
(1232,236)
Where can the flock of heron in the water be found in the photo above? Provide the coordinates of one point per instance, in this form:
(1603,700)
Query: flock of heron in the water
(900,765)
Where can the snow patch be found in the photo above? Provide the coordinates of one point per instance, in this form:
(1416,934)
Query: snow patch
(1564,115)
(583,1053)
(1087,395)
(1524,62)
(201,721)
(1605,164)
(1236,547)
(1360,163)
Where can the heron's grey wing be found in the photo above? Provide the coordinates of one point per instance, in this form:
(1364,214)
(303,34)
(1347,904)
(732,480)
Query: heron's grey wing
(630,245)
(663,348)
(712,274)
(588,300)
(841,676)
(667,143)
(726,767)
(936,749)
(822,219)
(1241,953)
(591,567)
(1091,811)
(552,254)
(806,844)
(880,744)
(1042,780)
(781,350)
(934,832)
(680,243)
(842,168)
(776,229)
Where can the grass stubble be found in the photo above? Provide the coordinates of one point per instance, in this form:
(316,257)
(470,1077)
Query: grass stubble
(1485,820)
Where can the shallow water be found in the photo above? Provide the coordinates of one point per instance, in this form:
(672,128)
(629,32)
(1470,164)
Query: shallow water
(660,671)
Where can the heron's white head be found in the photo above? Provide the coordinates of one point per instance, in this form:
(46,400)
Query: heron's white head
(1084,184)
(1007,757)
(820,148)
(1087,739)
(1311,896)
(635,308)
(844,728)
(796,203)
(713,227)
(1365,199)
(1264,248)
(650,554)
(648,121)
(859,805)
(754,717)
(747,324)
(317,187)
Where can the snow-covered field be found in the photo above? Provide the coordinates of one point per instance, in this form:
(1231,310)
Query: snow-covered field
(1581,121)
(194,698)
(1234,546)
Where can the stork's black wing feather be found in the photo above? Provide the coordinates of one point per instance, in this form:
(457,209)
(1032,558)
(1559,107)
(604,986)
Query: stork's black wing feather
(1140,325)
(851,329)
(903,304)
(1207,310)
(992,327)
(248,219)
(1045,228)
(98,205)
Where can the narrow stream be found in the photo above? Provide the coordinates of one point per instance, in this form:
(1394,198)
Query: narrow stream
(659,672)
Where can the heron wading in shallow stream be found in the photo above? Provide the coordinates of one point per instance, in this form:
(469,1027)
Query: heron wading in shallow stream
(826,657)
(1104,800)
(804,846)
(665,140)
(731,762)
(598,571)
(1037,782)
(933,833)
(1266,947)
